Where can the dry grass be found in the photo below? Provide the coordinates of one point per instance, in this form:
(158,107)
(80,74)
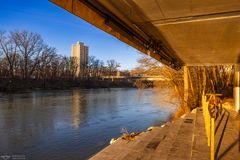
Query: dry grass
(228,103)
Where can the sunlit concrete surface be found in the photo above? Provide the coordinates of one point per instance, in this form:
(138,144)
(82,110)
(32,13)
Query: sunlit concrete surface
(228,130)
(183,139)
(236,89)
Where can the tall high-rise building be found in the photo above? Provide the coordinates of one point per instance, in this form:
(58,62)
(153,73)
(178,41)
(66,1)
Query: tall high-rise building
(80,57)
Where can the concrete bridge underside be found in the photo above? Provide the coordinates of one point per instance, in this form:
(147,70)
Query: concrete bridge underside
(176,33)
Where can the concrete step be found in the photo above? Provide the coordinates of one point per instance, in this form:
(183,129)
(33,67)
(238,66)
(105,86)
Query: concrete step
(165,146)
(182,147)
(165,140)
(183,139)
(200,149)
(144,144)
(164,137)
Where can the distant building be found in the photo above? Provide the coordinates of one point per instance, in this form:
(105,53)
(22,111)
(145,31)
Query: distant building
(80,57)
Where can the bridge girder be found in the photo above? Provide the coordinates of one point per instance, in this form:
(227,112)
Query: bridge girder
(176,34)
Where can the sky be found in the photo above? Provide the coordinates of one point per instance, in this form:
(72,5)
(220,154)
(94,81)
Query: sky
(61,29)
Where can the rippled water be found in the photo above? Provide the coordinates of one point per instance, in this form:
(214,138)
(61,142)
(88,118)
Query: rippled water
(73,124)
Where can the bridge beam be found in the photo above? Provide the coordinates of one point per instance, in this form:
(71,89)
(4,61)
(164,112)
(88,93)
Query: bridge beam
(236,89)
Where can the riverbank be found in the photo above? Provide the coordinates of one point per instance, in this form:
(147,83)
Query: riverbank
(15,85)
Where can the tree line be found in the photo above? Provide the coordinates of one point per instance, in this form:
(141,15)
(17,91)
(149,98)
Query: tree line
(201,79)
(25,55)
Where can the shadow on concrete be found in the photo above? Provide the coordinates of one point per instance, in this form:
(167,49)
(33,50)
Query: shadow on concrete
(228,149)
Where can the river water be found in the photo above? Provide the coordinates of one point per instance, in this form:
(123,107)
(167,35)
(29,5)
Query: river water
(74,124)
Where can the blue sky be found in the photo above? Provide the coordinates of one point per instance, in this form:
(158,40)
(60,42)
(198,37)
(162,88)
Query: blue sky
(61,29)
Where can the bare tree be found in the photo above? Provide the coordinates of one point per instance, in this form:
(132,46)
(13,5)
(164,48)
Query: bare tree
(9,49)
(29,46)
(24,55)
(44,61)
(74,67)
(112,66)
(208,79)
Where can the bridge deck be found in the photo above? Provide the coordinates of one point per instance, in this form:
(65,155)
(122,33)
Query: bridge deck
(183,139)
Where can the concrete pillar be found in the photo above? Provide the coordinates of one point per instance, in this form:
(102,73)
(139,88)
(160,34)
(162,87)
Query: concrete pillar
(236,89)
(185,78)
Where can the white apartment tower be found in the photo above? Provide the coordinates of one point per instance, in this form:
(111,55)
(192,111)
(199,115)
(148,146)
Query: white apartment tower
(80,57)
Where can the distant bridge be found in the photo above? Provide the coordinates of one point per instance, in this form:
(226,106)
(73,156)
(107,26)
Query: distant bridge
(148,78)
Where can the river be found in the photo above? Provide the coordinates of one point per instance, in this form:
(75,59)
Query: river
(74,124)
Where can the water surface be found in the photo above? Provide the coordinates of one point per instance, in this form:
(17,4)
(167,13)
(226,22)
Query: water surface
(74,124)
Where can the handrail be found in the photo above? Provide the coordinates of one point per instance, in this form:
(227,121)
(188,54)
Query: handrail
(212,113)
(212,109)
(206,117)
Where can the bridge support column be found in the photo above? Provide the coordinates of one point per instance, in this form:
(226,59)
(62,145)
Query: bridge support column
(185,78)
(236,89)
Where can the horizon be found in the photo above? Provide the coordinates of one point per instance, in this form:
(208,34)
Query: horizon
(61,30)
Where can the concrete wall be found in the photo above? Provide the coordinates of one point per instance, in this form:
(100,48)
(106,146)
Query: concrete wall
(236,89)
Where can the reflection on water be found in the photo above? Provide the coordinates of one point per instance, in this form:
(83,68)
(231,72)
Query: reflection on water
(76,108)
(73,124)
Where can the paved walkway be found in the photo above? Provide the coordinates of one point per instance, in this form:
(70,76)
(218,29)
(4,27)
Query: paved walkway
(183,139)
(229,148)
